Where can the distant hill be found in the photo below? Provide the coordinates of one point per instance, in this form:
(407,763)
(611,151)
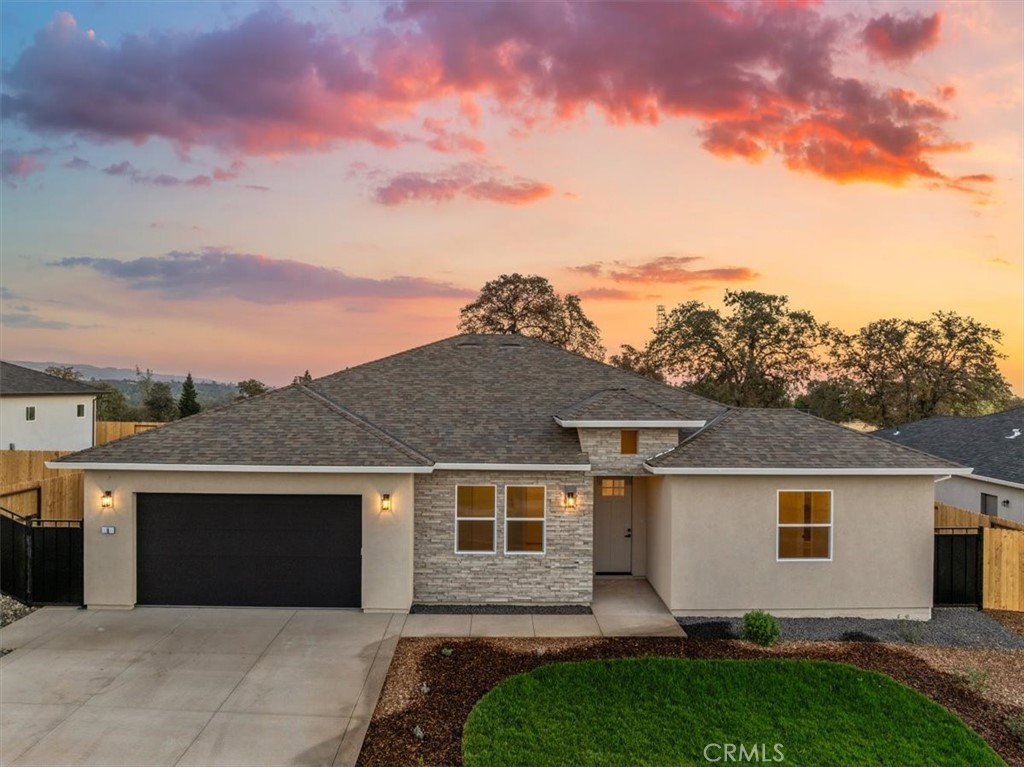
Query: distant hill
(108,374)
(211,393)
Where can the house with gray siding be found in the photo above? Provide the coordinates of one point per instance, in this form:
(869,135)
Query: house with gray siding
(501,470)
(993,445)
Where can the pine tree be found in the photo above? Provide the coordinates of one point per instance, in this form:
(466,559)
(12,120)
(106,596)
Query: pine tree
(188,404)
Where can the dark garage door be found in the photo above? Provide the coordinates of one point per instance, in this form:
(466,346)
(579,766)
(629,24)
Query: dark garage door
(260,550)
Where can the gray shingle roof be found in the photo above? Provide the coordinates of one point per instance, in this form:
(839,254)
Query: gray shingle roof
(754,438)
(491,399)
(982,442)
(286,427)
(466,399)
(15,379)
(618,405)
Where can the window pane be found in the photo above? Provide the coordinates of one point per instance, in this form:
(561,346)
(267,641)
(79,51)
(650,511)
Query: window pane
(525,502)
(475,535)
(630,438)
(525,536)
(476,501)
(798,507)
(804,542)
(613,487)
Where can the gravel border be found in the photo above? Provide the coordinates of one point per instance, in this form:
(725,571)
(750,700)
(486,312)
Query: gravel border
(500,610)
(949,627)
(10,611)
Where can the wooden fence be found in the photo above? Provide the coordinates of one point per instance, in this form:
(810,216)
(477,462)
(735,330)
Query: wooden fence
(30,489)
(1002,555)
(109,431)
(951,516)
(1003,568)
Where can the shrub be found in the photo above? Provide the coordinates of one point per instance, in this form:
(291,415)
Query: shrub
(911,632)
(1015,725)
(761,628)
(973,679)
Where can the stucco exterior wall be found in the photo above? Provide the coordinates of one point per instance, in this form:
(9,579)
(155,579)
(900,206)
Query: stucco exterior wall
(723,555)
(563,574)
(604,448)
(660,520)
(56,427)
(110,566)
(965,493)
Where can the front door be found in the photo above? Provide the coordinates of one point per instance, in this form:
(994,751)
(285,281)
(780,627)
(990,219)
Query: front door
(613,524)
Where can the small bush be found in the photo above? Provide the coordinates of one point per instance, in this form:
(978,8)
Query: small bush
(417,732)
(911,632)
(1016,727)
(447,652)
(761,628)
(973,679)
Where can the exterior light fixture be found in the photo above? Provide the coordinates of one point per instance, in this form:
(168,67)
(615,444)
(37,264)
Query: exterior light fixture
(107,500)
(385,502)
(570,497)
(1006,502)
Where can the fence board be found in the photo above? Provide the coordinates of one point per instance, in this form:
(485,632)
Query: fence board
(110,431)
(951,516)
(29,489)
(1004,570)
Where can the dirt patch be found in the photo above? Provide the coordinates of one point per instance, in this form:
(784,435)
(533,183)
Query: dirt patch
(1012,621)
(434,683)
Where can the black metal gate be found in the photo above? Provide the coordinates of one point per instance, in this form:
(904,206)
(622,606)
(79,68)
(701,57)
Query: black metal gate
(958,566)
(41,559)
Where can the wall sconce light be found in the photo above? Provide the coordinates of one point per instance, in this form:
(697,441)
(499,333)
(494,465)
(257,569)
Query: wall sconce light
(107,500)
(1006,502)
(570,497)
(385,502)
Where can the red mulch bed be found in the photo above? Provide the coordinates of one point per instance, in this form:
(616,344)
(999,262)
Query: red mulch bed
(454,684)
(1014,621)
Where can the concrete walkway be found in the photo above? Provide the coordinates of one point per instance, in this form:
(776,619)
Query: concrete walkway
(211,687)
(621,607)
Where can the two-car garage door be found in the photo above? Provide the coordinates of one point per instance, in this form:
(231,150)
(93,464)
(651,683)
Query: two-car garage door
(261,550)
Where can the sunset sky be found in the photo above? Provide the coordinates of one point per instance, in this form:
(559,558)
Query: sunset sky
(253,190)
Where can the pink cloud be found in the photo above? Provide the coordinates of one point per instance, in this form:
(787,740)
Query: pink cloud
(609,294)
(477,181)
(900,39)
(18,165)
(757,77)
(667,270)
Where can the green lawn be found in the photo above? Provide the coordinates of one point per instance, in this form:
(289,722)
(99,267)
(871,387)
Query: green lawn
(665,711)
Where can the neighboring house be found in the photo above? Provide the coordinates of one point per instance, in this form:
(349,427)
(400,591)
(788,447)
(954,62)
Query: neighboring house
(500,469)
(992,444)
(43,412)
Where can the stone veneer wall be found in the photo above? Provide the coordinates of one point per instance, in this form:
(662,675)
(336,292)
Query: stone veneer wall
(603,446)
(562,575)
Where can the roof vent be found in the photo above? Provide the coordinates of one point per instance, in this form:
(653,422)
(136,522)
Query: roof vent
(468,345)
(1016,433)
(511,345)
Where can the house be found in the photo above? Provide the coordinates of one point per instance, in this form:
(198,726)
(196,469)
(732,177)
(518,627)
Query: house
(504,470)
(992,444)
(43,412)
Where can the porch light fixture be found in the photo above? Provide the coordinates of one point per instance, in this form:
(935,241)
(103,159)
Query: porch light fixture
(107,500)
(385,502)
(570,497)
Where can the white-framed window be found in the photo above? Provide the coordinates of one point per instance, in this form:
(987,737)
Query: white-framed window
(81,411)
(475,518)
(525,519)
(804,526)
(30,413)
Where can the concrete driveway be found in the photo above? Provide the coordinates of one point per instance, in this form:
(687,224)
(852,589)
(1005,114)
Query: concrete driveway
(185,686)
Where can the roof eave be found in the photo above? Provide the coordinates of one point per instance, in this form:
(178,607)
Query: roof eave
(797,471)
(995,481)
(237,468)
(629,424)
